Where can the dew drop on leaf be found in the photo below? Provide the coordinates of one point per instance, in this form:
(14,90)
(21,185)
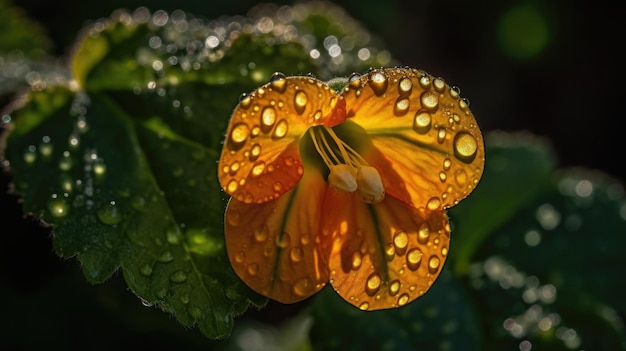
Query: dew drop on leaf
(109,214)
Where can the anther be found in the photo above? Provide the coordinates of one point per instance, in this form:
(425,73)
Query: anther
(342,178)
(370,185)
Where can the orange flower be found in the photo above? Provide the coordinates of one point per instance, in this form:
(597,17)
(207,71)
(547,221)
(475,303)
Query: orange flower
(347,188)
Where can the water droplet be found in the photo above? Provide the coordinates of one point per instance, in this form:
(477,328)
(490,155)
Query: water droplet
(423,233)
(434,203)
(403,299)
(390,251)
(109,214)
(239,134)
(433,264)
(364,306)
(302,287)
(138,203)
(378,81)
(166,257)
(268,118)
(278,82)
(295,254)
(240,257)
(58,206)
(441,135)
(178,277)
(460,176)
(394,287)
(444,251)
(401,240)
(146,270)
(161,293)
(422,122)
(244,100)
(300,101)
(373,283)
(447,164)
(99,168)
(258,168)
(232,186)
(414,258)
(357,259)
(281,129)
(439,84)
(253,269)
(455,92)
(283,240)
(401,107)
(430,100)
(196,313)
(184,298)
(465,147)
(277,186)
(443,176)
(260,234)
(405,86)
(425,82)
(173,237)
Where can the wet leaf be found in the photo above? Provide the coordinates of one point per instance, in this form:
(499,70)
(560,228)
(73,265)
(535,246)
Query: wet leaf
(121,160)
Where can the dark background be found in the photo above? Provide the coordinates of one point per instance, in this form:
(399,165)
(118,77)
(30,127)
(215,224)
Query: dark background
(569,91)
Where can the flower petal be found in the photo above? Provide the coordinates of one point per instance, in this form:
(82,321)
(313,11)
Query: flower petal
(272,246)
(261,145)
(424,140)
(384,255)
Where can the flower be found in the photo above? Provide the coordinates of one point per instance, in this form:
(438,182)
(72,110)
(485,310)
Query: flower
(348,188)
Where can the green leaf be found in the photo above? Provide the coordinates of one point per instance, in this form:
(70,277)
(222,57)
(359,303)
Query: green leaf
(441,319)
(122,159)
(555,266)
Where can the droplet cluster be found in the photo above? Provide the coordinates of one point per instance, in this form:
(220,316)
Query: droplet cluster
(412,261)
(440,120)
(254,166)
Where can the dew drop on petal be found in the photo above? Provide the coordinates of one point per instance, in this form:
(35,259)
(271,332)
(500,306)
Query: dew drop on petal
(300,101)
(401,106)
(403,299)
(433,203)
(302,287)
(441,135)
(414,258)
(422,122)
(401,240)
(281,129)
(430,100)
(465,147)
(268,118)
(423,234)
(357,259)
(295,254)
(253,269)
(239,133)
(258,168)
(433,264)
(278,82)
(261,234)
(394,287)
(404,86)
(364,306)
(373,283)
(378,82)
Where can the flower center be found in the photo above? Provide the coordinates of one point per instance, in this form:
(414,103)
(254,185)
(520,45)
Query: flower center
(348,170)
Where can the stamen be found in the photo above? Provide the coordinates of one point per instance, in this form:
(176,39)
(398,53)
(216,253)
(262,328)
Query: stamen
(348,171)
